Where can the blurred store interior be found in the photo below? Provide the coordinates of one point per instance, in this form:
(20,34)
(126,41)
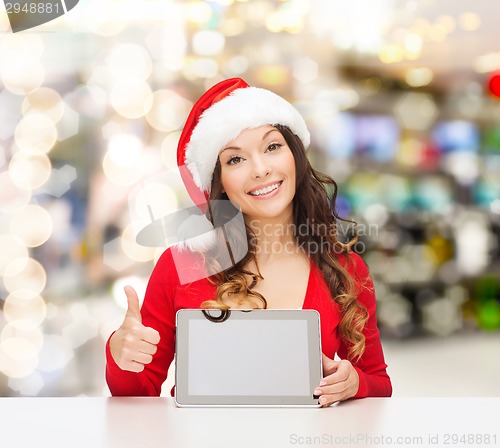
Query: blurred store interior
(402,98)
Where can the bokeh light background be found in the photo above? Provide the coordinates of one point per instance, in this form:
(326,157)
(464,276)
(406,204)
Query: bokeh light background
(400,98)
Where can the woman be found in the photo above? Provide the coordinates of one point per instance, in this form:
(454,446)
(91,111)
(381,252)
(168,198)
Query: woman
(247,145)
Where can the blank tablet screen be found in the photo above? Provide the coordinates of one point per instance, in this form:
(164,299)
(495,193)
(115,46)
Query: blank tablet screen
(258,357)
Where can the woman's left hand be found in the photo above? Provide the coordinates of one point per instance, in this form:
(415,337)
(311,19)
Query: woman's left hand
(341,381)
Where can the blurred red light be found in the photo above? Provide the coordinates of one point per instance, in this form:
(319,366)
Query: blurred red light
(494,84)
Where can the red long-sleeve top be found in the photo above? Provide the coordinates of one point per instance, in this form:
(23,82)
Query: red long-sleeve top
(165,295)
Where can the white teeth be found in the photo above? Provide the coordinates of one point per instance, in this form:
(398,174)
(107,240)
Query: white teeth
(265,190)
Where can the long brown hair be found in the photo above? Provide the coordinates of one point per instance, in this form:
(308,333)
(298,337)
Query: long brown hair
(314,208)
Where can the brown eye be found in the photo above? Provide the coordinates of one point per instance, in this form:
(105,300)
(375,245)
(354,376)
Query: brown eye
(234,160)
(274,146)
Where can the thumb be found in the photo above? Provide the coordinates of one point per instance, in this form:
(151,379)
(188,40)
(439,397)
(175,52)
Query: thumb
(329,365)
(133,309)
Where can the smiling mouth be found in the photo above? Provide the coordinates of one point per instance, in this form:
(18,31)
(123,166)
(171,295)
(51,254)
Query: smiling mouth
(266,190)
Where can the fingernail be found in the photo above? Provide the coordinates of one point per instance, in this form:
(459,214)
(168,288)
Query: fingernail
(317,392)
(322,400)
(322,383)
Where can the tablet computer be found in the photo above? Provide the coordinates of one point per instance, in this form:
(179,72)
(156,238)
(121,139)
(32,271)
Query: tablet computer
(247,358)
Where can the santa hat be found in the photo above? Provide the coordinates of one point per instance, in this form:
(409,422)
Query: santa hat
(218,117)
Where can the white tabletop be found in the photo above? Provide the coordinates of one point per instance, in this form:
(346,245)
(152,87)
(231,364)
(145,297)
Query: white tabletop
(156,422)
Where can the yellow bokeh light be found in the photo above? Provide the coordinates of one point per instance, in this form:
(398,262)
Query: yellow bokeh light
(469,21)
(33,334)
(47,101)
(417,77)
(488,62)
(391,54)
(410,151)
(413,46)
(19,50)
(168,111)
(422,26)
(25,274)
(29,170)
(132,98)
(447,22)
(4,23)
(129,62)
(18,358)
(120,174)
(233,26)
(296,27)
(285,20)
(23,80)
(124,150)
(255,13)
(275,22)
(20,69)
(32,225)
(133,250)
(12,247)
(198,12)
(208,43)
(272,75)
(24,310)
(35,134)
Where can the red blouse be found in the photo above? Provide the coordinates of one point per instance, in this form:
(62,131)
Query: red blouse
(165,295)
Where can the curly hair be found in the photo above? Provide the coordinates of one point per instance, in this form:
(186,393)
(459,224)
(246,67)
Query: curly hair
(314,207)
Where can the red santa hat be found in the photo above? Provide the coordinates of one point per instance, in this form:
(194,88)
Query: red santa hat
(218,117)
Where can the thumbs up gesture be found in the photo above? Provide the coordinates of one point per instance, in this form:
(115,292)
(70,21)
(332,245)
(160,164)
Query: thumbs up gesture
(133,345)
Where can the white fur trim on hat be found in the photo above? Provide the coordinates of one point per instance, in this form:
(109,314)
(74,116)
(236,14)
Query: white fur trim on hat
(244,108)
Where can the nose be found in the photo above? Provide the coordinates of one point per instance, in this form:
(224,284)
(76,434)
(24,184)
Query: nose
(260,167)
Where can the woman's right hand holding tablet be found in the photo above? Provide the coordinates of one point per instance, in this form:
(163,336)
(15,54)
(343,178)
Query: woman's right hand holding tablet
(133,345)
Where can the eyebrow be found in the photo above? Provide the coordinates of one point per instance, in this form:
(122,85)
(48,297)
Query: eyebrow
(263,138)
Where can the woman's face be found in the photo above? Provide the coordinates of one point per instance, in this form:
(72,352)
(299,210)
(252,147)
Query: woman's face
(258,173)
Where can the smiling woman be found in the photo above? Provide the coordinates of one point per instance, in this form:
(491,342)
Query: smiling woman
(247,146)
